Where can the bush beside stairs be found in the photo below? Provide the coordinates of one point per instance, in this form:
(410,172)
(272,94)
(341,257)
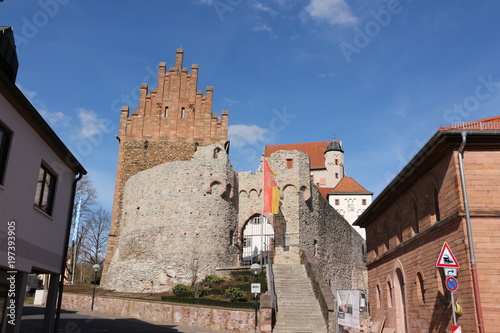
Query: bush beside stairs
(298,309)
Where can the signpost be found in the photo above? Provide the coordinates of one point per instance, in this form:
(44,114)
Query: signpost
(449,263)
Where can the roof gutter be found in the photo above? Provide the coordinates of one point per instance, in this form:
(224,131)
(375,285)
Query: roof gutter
(439,137)
(475,282)
(66,244)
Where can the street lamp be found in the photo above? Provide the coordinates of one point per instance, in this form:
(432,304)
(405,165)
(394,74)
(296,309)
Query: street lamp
(96,268)
(255,269)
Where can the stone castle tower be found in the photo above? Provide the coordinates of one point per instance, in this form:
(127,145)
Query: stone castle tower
(171,121)
(181,211)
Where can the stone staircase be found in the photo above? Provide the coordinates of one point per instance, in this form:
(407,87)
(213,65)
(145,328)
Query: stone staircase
(298,308)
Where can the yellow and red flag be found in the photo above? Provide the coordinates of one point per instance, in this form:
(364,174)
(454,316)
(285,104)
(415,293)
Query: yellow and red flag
(271,191)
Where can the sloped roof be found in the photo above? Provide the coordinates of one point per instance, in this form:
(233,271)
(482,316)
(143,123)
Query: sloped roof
(488,124)
(347,185)
(325,191)
(315,150)
(482,133)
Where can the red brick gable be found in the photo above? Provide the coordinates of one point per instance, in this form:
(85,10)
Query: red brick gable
(349,185)
(315,150)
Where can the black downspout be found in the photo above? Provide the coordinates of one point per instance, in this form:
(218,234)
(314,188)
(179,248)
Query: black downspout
(66,244)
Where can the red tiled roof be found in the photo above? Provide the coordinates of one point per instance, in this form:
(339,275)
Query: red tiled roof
(315,150)
(349,185)
(324,191)
(487,124)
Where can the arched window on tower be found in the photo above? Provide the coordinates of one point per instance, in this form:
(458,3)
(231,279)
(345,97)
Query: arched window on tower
(420,288)
(436,205)
(183,112)
(414,217)
(166,111)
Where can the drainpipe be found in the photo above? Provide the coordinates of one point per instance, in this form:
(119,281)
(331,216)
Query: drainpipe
(66,244)
(475,282)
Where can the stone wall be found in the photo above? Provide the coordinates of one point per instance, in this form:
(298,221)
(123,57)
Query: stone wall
(307,220)
(312,224)
(227,320)
(136,156)
(169,123)
(179,220)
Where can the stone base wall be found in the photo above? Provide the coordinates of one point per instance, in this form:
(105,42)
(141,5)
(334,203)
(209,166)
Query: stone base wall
(229,320)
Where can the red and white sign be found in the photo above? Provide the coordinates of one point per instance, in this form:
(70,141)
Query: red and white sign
(456,329)
(446,258)
(451,283)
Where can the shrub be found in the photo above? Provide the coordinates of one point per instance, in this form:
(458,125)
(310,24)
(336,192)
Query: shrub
(212,291)
(213,280)
(235,294)
(181,290)
(207,302)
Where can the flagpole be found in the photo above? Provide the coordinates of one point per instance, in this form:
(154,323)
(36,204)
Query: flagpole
(75,234)
(263,205)
(74,263)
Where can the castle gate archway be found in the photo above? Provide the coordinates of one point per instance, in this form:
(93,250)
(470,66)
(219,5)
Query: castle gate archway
(257,241)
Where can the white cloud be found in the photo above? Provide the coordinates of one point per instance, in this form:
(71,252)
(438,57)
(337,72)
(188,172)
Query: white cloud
(55,118)
(241,135)
(260,6)
(266,28)
(335,12)
(28,93)
(91,124)
(323,75)
(204,2)
(230,102)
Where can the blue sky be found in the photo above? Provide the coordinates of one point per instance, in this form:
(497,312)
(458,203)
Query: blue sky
(381,76)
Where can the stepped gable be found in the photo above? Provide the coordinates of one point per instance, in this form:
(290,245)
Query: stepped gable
(175,111)
(348,185)
(170,123)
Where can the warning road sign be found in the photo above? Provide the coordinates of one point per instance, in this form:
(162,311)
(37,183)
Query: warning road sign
(446,258)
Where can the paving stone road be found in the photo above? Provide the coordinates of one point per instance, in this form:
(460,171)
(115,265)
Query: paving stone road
(89,322)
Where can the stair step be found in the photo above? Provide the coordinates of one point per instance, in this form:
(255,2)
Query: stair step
(298,308)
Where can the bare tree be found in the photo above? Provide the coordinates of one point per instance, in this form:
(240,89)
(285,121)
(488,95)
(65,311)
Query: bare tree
(96,229)
(86,198)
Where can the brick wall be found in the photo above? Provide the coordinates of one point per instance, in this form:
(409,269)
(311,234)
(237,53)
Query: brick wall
(394,244)
(170,122)
(227,320)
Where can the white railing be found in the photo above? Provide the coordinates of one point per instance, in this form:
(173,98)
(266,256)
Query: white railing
(478,125)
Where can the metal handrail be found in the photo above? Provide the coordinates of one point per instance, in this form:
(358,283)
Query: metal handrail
(270,283)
